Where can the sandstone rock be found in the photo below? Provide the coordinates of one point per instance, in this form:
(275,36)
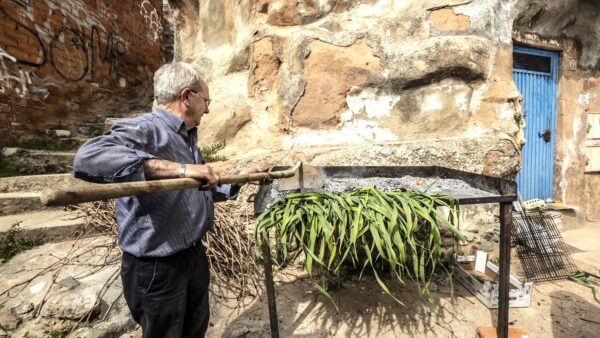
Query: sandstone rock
(264,67)
(473,228)
(503,159)
(68,283)
(229,94)
(444,19)
(331,71)
(117,324)
(488,236)
(9,319)
(73,302)
(486,246)
(23,308)
(469,237)
(289,13)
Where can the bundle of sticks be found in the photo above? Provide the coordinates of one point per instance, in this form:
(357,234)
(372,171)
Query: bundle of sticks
(235,271)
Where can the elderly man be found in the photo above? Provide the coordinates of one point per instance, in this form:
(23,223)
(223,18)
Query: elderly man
(164,267)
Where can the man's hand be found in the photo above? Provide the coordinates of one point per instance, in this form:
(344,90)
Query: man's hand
(204,173)
(257,170)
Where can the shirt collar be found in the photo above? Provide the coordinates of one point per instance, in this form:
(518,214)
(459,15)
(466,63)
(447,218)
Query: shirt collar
(173,121)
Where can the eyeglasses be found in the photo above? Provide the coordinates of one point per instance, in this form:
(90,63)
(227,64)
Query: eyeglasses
(206,101)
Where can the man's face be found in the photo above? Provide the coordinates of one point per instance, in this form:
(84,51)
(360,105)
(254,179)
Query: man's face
(199,102)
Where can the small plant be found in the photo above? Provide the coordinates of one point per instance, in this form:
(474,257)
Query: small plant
(8,169)
(209,152)
(60,332)
(12,242)
(387,232)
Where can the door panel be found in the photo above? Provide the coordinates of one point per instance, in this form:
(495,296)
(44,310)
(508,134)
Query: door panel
(535,74)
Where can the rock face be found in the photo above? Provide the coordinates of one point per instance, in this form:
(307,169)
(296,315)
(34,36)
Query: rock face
(70,299)
(421,79)
(391,82)
(571,18)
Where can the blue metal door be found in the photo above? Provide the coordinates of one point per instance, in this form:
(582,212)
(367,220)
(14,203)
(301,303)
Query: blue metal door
(535,74)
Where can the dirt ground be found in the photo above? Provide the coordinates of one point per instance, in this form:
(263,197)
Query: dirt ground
(558,309)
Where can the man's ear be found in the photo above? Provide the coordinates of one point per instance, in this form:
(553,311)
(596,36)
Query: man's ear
(185,96)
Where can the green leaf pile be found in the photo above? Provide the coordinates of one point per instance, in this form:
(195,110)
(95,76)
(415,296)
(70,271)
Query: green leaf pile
(394,232)
(585,279)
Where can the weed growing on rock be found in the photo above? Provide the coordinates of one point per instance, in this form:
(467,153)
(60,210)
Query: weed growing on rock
(209,152)
(60,332)
(12,242)
(8,169)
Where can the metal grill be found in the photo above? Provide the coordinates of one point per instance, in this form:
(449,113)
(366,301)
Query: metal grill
(540,247)
(535,63)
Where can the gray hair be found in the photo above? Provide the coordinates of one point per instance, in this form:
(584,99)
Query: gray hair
(171,78)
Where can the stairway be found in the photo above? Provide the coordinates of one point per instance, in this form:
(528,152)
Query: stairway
(20,205)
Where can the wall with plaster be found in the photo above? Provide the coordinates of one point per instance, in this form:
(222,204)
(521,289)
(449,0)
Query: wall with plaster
(571,29)
(389,82)
(63,63)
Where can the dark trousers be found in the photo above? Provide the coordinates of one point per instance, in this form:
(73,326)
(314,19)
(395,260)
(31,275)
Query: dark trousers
(168,296)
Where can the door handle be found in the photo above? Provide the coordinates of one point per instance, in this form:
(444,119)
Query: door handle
(547,135)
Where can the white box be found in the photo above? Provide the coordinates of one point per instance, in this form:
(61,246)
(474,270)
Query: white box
(487,290)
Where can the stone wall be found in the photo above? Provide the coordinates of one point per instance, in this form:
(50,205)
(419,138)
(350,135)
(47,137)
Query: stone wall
(358,81)
(389,82)
(66,62)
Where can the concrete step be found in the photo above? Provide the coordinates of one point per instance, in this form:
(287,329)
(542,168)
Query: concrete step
(36,183)
(21,193)
(49,225)
(32,162)
(18,202)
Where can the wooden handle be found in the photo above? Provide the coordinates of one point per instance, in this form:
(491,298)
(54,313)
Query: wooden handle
(98,192)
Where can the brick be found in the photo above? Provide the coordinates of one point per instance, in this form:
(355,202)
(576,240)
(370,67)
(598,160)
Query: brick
(129,27)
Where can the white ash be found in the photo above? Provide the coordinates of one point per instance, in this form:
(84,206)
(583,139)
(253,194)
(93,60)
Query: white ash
(430,185)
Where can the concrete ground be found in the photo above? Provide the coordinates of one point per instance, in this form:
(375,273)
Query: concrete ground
(586,242)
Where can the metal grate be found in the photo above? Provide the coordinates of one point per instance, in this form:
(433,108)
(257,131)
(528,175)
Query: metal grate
(533,63)
(540,247)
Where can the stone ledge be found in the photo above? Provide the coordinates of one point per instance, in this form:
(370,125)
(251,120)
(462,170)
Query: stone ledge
(50,225)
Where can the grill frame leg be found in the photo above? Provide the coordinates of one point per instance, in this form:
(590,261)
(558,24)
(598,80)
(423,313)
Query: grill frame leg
(270,286)
(503,299)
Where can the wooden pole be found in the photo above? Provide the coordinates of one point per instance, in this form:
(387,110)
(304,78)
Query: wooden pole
(99,192)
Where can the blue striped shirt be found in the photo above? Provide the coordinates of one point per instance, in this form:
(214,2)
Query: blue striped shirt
(158,224)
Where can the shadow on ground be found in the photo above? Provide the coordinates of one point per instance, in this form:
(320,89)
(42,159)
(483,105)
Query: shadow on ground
(574,316)
(364,311)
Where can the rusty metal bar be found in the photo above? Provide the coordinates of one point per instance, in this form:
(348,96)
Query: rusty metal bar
(268,265)
(503,299)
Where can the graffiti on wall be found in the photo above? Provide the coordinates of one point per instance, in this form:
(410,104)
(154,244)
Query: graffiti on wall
(22,3)
(74,55)
(71,53)
(150,14)
(12,82)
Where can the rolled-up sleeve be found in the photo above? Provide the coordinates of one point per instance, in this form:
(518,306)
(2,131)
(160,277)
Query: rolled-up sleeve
(116,156)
